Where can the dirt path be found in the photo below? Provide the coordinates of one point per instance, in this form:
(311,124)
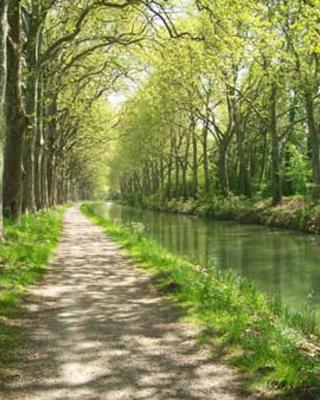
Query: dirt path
(98,331)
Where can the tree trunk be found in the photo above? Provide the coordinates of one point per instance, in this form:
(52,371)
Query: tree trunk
(185,191)
(177,171)
(16,120)
(275,151)
(51,112)
(52,179)
(39,152)
(170,165)
(31,101)
(155,175)
(243,181)
(3,79)
(313,140)
(195,162)
(44,181)
(223,179)
(42,148)
(184,167)
(207,183)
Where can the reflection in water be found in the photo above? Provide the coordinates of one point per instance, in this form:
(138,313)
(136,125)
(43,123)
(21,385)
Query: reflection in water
(281,262)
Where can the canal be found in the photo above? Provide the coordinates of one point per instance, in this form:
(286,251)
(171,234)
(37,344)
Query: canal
(280,262)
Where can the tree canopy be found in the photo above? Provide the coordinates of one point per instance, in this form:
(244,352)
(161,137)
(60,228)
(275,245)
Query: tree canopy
(233,107)
(216,98)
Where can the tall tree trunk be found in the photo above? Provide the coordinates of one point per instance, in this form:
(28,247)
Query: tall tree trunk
(170,165)
(223,179)
(275,151)
(52,179)
(243,181)
(162,178)
(16,120)
(31,101)
(39,149)
(185,191)
(155,175)
(3,79)
(51,112)
(184,167)
(207,184)
(264,152)
(177,169)
(313,141)
(43,143)
(44,181)
(195,161)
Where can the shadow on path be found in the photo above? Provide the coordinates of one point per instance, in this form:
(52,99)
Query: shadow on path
(98,330)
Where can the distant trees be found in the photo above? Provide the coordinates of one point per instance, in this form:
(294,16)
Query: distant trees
(232,108)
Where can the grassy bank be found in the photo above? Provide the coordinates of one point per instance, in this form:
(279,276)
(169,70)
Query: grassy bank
(23,259)
(275,350)
(293,213)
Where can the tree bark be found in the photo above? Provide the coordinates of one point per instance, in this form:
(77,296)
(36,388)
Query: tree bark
(223,178)
(275,151)
(51,111)
(195,161)
(313,141)
(177,169)
(31,102)
(39,150)
(3,81)
(170,167)
(207,183)
(44,181)
(16,120)
(184,167)
(243,184)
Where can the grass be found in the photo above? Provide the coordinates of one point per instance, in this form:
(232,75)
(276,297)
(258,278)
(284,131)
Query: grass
(23,259)
(274,349)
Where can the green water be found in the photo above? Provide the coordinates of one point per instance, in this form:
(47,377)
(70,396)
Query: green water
(280,262)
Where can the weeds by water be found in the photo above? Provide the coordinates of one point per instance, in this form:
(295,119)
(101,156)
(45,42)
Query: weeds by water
(23,259)
(275,348)
(295,212)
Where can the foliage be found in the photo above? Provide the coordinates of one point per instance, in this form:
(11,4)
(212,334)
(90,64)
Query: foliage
(298,172)
(225,112)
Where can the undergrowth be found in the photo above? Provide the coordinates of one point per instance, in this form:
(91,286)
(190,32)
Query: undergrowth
(275,349)
(295,212)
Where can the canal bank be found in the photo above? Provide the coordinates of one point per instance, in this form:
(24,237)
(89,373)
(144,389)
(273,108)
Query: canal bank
(280,262)
(273,348)
(295,213)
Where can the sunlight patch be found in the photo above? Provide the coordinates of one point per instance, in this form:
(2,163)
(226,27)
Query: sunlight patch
(80,373)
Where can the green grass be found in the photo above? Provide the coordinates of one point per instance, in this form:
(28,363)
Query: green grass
(272,347)
(23,260)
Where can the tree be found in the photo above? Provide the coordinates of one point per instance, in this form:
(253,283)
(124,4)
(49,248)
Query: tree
(3,81)
(15,115)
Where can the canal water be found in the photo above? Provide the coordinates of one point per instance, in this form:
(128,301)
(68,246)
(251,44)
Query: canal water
(280,262)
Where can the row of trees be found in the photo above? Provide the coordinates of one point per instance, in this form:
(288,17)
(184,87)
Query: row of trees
(233,109)
(58,62)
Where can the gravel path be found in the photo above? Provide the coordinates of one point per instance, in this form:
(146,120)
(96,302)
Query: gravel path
(98,331)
